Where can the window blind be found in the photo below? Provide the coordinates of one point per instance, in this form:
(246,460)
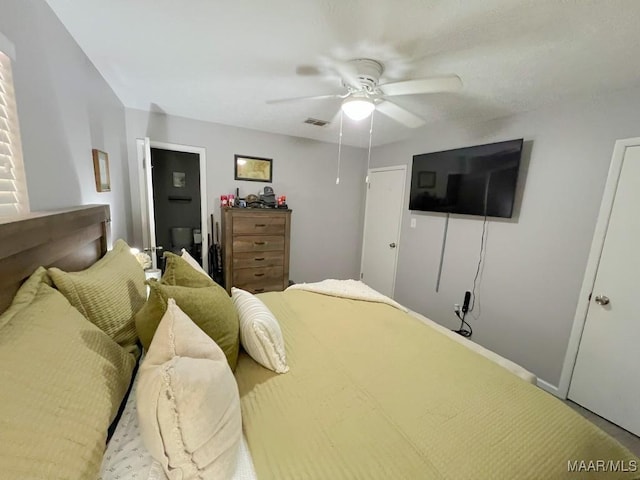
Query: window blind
(13,187)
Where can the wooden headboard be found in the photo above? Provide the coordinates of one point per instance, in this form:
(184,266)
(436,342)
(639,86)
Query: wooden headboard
(70,239)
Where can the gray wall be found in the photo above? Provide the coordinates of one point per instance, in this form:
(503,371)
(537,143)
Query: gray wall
(326,231)
(535,261)
(65,109)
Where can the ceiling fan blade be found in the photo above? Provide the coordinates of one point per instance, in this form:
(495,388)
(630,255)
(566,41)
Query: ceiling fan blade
(307,70)
(296,99)
(450,83)
(399,114)
(348,73)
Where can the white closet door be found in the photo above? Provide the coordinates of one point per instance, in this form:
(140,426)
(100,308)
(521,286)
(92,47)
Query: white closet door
(606,377)
(383,214)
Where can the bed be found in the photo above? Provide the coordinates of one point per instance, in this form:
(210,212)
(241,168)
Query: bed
(372,391)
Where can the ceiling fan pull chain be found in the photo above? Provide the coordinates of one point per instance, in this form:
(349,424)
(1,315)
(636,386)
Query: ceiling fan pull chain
(339,150)
(366,180)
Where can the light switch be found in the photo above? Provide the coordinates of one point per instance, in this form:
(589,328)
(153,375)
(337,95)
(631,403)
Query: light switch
(413,223)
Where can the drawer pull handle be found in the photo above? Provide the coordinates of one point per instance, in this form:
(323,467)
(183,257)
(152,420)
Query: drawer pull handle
(258,225)
(259,259)
(258,274)
(259,243)
(258,290)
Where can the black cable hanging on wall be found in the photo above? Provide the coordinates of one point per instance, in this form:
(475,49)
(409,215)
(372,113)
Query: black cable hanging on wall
(483,244)
(465,328)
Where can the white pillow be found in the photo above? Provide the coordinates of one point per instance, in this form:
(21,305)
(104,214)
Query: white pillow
(260,333)
(193,262)
(188,402)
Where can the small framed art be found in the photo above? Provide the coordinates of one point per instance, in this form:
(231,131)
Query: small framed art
(101,170)
(254,169)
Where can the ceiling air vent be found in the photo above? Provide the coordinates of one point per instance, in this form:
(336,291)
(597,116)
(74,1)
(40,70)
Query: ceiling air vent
(316,122)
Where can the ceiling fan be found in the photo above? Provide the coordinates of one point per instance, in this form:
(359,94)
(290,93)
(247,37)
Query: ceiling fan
(364,94)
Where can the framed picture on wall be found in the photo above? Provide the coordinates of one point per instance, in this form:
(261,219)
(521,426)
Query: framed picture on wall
(101,170)
(253,169)
(179,179)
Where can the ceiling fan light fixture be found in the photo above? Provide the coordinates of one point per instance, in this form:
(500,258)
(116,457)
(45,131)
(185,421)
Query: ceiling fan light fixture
(358,107)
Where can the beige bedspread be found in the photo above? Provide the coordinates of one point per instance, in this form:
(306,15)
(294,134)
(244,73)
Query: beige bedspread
(373,393)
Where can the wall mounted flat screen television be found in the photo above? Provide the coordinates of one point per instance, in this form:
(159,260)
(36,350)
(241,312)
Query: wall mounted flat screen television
(478,180)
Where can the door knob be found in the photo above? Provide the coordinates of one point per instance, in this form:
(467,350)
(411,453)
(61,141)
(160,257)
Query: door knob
(392,245)
(602,300)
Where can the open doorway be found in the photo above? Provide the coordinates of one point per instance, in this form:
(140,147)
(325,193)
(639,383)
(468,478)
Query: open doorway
(176,199)
(173,188)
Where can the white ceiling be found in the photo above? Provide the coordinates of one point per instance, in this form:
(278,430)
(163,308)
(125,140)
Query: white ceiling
(220,61)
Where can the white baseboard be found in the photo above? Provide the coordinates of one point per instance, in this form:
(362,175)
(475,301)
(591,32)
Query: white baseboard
(552,389)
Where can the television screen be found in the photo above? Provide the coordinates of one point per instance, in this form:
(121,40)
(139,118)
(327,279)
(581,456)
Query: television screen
(478,180)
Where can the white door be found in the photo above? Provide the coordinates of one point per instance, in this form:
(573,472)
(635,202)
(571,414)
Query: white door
(147,207)
(383,215)
(606,377)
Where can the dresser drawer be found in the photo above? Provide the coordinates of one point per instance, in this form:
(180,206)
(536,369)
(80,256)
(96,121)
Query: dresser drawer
(275,287)
(260,225)
(258,243)
(264,279)
(258,259)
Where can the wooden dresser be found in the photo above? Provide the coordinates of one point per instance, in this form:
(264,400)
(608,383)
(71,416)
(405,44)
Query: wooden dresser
(256,248)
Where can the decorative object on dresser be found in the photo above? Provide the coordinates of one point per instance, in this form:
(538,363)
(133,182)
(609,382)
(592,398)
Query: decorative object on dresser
(256,248)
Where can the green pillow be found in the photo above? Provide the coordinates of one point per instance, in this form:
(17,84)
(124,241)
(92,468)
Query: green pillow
(108,293)
(63,380)
(25,294)
(177,271)
(209,307)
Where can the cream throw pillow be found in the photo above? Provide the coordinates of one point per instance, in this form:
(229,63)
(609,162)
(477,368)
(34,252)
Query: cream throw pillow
(188,402)
(260,333)
(192,261)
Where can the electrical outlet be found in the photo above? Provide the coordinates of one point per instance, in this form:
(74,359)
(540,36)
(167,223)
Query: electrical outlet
(413,223)
(456,307)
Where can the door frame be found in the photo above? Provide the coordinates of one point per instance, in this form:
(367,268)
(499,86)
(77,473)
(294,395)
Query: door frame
(364,227)
(204,222)
(597,244)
